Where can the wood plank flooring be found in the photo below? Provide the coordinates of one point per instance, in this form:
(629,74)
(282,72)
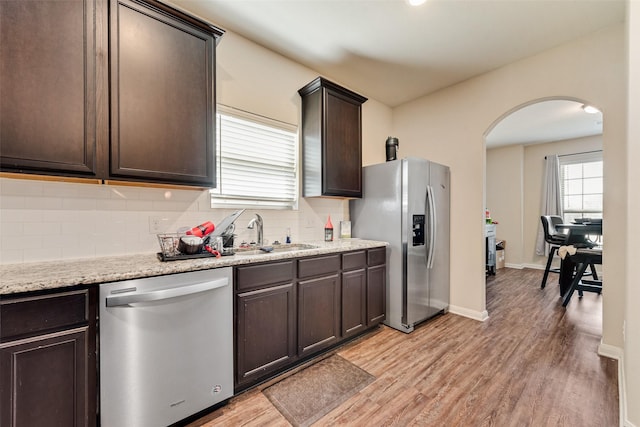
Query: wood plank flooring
(532,363)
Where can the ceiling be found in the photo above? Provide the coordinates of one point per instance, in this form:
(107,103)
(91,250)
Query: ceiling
(394,52)
(545,121)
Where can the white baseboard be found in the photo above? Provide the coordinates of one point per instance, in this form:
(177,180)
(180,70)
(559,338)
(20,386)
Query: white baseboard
(517,266)
(534,266)
(610,351)
(617,353)
(471,314)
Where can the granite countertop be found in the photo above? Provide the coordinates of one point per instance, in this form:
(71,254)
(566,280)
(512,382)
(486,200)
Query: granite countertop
(28,277)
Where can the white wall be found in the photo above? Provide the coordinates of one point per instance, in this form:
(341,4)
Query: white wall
(505,198)
(514,193)
(632,344)
(56,220)
(448,127)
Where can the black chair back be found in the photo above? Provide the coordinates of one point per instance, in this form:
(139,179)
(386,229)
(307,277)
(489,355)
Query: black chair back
(551,235)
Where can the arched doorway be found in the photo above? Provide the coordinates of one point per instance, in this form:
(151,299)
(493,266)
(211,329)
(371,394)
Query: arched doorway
(516,144)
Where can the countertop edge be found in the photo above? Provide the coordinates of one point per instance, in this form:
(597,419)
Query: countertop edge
(49,275)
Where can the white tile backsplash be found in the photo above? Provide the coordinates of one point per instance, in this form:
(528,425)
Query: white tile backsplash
(19,187)
(12,202)
(10,256)
(21,215)
(111,204)
(42,220)
(42,203)
(19,243)
(61,216)
(35,255)
(11,228)
(138,205)
(78,204)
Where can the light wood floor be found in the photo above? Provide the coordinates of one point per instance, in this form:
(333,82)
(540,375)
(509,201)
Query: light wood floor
(532,363)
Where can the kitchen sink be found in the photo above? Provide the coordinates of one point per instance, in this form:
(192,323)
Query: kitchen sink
(276,249)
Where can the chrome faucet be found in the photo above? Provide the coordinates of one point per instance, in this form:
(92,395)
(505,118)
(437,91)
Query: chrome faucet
(257,221)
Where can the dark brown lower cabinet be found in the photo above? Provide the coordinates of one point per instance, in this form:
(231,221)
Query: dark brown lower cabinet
(265,332)
(376,294)
(288,311)
(318,314)
(48,360)
(265,320)
(354,302)
(39,381)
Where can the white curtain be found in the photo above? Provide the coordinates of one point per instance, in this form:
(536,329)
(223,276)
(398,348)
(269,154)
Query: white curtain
(551,199)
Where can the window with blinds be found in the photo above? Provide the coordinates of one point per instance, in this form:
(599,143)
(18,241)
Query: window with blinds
(256,162)
(581,185)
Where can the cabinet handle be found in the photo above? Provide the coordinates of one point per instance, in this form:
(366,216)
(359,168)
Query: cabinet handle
(132,298)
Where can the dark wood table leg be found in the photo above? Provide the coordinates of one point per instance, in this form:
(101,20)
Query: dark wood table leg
(567,266)
(574,285)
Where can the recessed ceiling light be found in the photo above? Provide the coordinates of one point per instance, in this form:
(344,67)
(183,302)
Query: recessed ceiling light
(416,2)
(590,109)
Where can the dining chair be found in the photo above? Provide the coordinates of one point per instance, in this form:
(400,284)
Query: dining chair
(555,239)
(580,239)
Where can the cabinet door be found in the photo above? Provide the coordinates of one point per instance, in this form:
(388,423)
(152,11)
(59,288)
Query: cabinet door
(53,110)
(162,97)
(318,314)
(342,152)
(354,302)
(44,381)
(48,363)
(265,332)
(376,294)
(331,140)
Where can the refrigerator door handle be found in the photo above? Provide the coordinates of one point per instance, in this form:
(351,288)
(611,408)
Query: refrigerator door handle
(431,215)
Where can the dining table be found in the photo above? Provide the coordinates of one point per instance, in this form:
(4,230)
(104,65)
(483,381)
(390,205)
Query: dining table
(577,234)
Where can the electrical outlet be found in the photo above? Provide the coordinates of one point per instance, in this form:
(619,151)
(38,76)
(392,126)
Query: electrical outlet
(309,223)
(158,224)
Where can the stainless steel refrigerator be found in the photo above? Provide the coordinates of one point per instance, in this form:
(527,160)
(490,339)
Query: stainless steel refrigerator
(406,203)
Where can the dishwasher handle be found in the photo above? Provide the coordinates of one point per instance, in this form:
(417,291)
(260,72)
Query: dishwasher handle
(137,297)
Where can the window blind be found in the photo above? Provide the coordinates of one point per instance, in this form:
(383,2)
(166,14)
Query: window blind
(256,162)
(581,182)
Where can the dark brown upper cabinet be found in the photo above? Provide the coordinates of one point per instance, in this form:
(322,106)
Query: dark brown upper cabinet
(53,81)
(331,140)
(107,89)
(162,95)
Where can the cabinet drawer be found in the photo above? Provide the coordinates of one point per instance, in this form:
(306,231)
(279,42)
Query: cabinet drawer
(22,317)
(318,266)
(377,256)
(255,276)
(354,260)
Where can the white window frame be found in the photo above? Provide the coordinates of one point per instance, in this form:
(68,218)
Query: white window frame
(579,159)
(289,171)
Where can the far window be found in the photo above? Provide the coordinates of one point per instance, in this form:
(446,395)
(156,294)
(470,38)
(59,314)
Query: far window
(581,185)
(256,162)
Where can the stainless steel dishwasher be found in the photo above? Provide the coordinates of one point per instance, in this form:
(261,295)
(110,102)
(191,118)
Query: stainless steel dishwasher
(166,347)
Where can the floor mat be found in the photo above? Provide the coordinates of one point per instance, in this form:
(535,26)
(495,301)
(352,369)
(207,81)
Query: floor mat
(308,395)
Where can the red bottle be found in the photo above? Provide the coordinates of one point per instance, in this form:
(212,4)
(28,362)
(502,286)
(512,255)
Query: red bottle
(328,231)
(202,230)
